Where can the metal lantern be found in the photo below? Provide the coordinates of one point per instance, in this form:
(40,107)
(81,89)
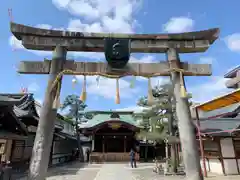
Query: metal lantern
(117,52)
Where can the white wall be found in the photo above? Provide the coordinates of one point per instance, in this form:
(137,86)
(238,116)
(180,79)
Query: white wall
(228,151)
(230,165)
(68,129)
(213,165)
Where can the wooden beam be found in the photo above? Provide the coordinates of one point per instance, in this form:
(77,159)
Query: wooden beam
(19,29)
(97,45)
(34,67)
(137,69)
(44,39)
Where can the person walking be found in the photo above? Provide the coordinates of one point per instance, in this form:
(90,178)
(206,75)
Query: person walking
(132,158)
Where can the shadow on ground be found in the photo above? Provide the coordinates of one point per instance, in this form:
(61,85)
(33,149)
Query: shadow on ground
(66,169)
(60,170)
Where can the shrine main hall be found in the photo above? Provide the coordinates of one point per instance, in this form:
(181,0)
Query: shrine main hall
(112,135)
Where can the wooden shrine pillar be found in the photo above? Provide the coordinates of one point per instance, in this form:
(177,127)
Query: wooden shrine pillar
(201,145)
(187,137)
(103,145)
(93,143)
(44,135)
(177,153)
(125,144)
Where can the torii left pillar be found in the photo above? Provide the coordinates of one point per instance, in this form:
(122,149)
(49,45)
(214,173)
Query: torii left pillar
(44,136)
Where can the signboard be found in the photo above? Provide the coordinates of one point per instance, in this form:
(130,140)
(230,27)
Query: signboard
(114,125)
(137,69)
(97,45)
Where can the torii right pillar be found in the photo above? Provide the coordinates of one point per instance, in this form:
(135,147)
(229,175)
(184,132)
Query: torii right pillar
(187,136)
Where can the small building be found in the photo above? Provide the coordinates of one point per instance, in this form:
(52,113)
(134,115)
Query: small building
(232,108)
(221,143)
(12,130)
(220,134)
(112,134)
(24,111)
(64,141)
(234,78)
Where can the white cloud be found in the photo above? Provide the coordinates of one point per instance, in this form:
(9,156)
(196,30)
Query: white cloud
(95,9)
(214,87)
(143,59)
(106,16)
(61,3)
(33,87)
(207,60)
(233,42)
(135,109)
(15,43)
(107,87)
(178,25)
(44,26)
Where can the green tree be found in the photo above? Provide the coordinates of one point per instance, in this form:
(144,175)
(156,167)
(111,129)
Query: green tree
(162,111)
(76,112)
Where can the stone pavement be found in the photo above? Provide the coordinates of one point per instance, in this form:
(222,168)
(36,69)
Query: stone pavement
(115,171)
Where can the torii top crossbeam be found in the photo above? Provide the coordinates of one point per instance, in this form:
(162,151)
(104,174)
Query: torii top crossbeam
(43,39)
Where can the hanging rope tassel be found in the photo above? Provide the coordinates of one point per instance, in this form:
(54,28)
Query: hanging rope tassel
(182,86)
(83,96)
(117,92)
(132,83)
(150,94)
(56,102)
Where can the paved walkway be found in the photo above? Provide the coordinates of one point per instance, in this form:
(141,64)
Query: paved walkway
(115,172)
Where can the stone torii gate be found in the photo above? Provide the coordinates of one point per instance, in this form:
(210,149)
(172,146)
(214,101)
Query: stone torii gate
(62,41)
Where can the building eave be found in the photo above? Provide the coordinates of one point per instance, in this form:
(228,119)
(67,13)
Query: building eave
(232,73)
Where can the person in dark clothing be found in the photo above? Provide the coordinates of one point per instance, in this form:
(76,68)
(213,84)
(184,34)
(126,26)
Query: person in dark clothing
(88,154)
(77,154)
(132,158)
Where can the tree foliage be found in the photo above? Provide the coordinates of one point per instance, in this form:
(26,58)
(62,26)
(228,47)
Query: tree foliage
(76,112)
(163,108)
(75,107)
(157,116)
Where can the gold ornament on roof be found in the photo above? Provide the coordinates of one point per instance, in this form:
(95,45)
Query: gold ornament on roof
(114,125)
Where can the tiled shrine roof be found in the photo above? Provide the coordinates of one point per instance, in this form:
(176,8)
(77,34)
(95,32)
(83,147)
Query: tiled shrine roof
(107,116)
(25,108)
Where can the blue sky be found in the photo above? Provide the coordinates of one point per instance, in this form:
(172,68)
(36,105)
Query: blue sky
(136,16)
